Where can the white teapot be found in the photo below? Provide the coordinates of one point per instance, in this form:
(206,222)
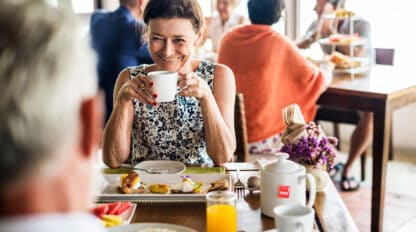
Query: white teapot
(283,182)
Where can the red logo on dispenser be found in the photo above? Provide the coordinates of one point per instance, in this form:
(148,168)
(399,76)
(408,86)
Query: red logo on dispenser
(283,191)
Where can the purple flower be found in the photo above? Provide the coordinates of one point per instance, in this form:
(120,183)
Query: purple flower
(313,149)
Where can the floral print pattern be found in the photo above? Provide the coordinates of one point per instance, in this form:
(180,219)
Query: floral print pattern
(267,146)
(171,130)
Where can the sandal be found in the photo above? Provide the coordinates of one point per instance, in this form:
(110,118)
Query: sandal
(349,184)
(335,170)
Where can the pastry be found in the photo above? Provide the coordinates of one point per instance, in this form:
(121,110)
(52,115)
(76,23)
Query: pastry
(187,185)
(159,188)
(131,183)
(219,185)
(343,61)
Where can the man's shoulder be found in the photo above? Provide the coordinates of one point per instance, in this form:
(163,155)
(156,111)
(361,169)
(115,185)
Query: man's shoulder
(108,18)
(99,15)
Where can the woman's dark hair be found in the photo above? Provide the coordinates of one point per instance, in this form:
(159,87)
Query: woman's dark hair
(264,11)
(188,9)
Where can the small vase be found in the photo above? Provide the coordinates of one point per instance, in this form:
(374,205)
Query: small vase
(321,177)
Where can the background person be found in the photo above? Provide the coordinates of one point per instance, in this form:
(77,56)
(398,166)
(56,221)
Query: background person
(223,20)
(271,73)
(117,37)
(51,120)
(361,136)
(198,126)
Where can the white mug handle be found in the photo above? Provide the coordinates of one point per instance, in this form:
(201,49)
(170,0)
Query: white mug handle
(301,225)
(312,190)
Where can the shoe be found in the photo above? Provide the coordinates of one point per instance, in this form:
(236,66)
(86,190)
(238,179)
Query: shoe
(349,184)
(335,170)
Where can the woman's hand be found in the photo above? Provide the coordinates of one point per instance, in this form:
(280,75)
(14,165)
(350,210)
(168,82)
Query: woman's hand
(141,88)
(193,86)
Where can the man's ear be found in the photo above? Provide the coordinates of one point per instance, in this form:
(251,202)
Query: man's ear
(91,120)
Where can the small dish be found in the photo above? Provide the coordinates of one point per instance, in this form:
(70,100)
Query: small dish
(137,227)
(162,166)
(127,215)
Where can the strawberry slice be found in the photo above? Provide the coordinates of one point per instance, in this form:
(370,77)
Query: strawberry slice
(100,210)
(113,207)
(124,206)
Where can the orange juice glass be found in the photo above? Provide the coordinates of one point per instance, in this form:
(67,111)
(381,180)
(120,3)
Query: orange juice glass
(221,212)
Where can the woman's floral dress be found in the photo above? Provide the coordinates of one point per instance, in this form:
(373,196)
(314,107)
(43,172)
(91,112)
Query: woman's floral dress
(171,130)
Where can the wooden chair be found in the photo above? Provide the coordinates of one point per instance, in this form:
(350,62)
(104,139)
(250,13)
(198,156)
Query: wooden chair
(383,56)
(240,127)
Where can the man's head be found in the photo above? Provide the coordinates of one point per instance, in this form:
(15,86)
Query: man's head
(49,110)
(264,11)
(135,6)
(225,8)
(325,6)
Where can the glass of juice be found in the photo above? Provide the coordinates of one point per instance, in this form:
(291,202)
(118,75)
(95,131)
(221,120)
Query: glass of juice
(221,211)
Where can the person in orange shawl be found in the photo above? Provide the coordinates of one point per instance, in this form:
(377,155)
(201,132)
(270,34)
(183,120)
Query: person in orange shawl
(271,74)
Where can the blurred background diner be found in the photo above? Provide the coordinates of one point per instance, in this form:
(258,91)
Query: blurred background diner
(118,37)
(221,21)
(278,75)
(332,22)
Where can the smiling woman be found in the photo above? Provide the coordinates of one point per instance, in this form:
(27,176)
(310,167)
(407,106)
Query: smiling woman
(197,126)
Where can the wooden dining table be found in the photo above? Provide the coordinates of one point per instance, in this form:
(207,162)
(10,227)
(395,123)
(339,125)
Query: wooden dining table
(381,91)
(331,213)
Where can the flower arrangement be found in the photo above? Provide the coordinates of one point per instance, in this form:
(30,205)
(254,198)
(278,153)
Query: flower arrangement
(314,148)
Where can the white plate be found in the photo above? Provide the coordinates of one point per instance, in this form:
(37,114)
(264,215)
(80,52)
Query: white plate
(364,67)
(162,166)
(138,227)
(356,42)
(111,193)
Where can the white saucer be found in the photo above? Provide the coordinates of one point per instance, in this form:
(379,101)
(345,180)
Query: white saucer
(271,230)
(163,166)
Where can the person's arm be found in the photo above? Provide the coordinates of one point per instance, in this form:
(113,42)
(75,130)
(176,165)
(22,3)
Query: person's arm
(218,113)
(217,110)
(117,132)
(310,36)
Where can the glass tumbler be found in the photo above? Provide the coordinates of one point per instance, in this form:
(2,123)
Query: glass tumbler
(221,211)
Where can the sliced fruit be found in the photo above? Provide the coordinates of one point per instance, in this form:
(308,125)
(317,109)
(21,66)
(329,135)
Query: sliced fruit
(123,207)
(100,210)
(113,208)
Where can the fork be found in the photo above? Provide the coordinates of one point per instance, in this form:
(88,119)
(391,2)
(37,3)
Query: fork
(239,187)
(149,171)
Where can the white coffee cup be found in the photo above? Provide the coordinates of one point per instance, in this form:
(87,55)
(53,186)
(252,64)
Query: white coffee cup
(165,84)
(293,218)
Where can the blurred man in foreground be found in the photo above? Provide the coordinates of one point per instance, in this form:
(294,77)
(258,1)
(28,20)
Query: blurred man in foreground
(50,117)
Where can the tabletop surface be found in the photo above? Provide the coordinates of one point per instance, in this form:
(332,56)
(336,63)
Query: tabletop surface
(380,81)
(331,213)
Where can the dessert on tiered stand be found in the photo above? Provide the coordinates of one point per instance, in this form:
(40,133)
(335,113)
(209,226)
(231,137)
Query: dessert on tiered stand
(345,63)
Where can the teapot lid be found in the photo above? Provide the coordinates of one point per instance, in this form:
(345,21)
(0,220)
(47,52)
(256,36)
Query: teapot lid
(282,165)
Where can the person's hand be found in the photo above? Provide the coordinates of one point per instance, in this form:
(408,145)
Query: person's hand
(192,86)
(141,88)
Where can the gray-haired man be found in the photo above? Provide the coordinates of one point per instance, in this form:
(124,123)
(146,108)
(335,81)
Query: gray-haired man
(50,116)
